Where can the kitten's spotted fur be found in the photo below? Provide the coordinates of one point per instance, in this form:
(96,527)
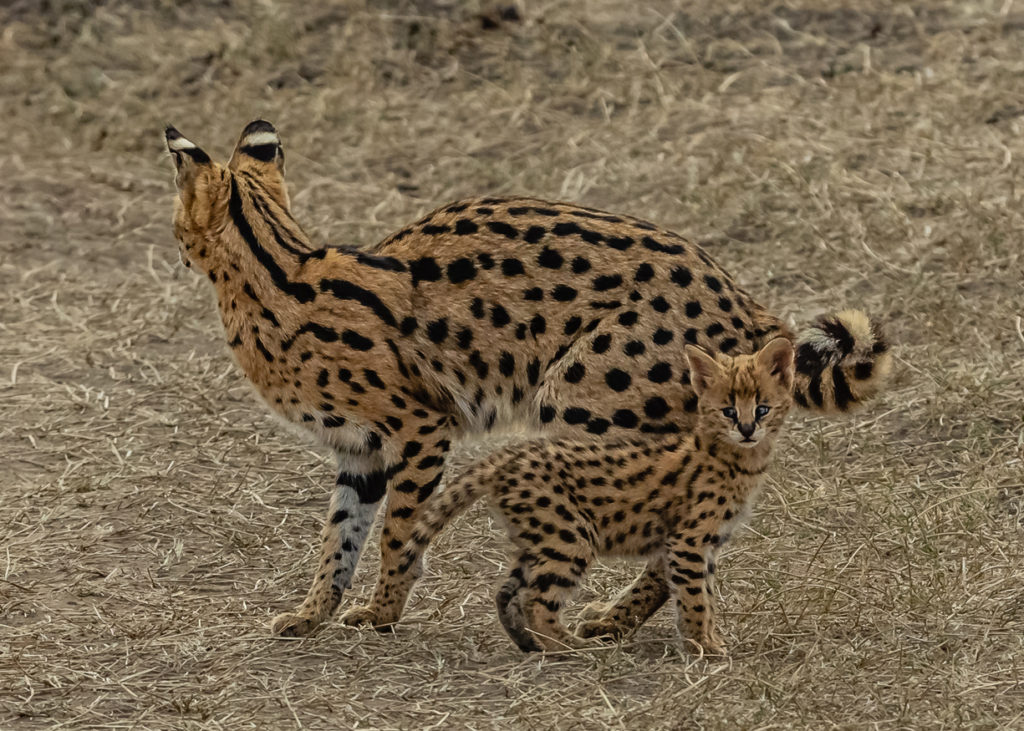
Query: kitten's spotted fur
(673,501)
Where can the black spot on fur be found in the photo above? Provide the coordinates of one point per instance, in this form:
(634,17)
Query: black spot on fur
(617,379)
(461,270)
(681,276)
(356,341)
(506,364)
(659,373)
(505,229)
(563,293)
(634,348)
(625,419)
(550,258)
(534,234)
(437,331)
(660,304)
(601,343)
(607,281)
(575,373)
(499,316)
(580,265)
(424,270)
(656,407)
(512,267)
(576,415)
(662,336)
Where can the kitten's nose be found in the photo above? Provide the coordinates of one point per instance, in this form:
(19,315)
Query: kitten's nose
(747,430)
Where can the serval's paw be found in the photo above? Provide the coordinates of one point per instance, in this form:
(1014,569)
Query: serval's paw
(706,644)
(293,625)
(365,616)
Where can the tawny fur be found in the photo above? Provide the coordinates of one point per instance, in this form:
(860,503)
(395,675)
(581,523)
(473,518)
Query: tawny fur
(673,501)
(487,313)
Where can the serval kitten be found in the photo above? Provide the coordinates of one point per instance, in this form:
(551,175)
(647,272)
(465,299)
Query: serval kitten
(489,313)
(674,501)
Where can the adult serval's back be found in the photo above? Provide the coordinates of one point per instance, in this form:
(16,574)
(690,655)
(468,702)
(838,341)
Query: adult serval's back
(487,313)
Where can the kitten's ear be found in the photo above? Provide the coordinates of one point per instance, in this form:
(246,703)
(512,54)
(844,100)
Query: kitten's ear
(777,358)
(703,368)
(189,158)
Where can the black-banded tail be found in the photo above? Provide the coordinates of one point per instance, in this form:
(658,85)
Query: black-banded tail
(842,361)
(439,512)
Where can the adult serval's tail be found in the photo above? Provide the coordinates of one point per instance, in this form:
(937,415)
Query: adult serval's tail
(842,360)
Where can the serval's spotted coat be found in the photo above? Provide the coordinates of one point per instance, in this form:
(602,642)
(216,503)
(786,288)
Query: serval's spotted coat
(485,314)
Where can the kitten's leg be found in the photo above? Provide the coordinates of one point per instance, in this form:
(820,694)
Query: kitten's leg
(610,400)
(357,496)
(688,571)
(420,469)
(510,607)
(630,609)
(552,582)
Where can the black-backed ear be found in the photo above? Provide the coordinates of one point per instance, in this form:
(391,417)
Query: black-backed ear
(777,358)
(703,368)
(259,145)
(188,157)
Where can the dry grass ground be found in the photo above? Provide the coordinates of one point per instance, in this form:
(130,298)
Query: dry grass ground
(153,517)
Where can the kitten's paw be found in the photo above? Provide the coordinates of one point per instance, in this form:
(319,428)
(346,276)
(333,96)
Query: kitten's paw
(595,610)
(364,616)
(604,630)
(293,625)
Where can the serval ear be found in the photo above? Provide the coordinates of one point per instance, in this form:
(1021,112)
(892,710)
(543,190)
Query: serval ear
(703,368)
(189,158)
(777,358)
(259,153)
(259,148)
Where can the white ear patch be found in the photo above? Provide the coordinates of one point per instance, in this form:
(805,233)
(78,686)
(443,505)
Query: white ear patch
(261,138)
(178,144)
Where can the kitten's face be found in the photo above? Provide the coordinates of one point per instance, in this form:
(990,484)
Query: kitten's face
(743,400)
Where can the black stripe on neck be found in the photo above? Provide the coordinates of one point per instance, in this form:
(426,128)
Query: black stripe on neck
(263,208)
(299,290)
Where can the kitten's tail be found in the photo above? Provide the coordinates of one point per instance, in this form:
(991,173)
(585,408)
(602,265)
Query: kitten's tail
(842,361)
(439,512)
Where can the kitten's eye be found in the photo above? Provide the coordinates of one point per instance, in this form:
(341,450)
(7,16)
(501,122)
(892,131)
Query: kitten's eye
(730,412)
(762,410)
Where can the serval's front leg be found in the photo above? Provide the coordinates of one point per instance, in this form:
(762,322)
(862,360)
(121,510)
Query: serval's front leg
(423,450)
(357,496)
